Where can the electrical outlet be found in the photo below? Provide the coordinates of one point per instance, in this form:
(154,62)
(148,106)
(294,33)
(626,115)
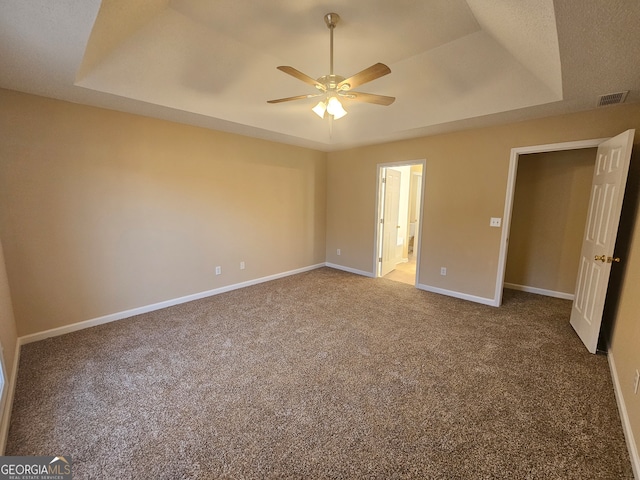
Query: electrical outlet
(495,222)
(241,265)
(443,271)
(339,252)
(218,270)
(636,382)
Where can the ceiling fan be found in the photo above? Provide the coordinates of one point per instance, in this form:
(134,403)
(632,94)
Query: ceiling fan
(332,88)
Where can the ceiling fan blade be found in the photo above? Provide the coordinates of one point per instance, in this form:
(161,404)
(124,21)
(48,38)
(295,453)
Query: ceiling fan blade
(369,98)
(301,76)
(298,97)
(368,74)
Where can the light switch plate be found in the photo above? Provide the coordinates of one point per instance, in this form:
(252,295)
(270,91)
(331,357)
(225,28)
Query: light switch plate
(495,222)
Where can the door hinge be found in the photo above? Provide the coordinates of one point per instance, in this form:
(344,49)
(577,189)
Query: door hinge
(380,260)
(382,220)
(384,179)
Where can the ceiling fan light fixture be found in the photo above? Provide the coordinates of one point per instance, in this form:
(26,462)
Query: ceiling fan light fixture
(334,107)
(319,109)
(332,87)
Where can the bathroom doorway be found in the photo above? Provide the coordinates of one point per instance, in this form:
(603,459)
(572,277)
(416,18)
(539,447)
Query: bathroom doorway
(399,209)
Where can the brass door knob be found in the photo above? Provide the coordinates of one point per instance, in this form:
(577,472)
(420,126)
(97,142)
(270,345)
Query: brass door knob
(613,259)
(602,258)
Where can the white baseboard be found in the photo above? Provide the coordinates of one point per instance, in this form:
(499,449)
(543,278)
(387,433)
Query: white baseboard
(350,270)
(464,296)
(54,332)
(540,291)
(5,414)
(632,446)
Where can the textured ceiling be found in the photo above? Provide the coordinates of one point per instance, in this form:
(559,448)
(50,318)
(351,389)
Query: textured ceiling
(455,63)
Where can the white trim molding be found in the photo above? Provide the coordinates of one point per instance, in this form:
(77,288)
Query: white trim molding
(462,296)
(378,213)
(540,291)
(54,332)
(632,446)
(511,188)
(350,270)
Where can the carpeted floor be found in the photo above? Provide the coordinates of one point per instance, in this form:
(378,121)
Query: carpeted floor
(325,375)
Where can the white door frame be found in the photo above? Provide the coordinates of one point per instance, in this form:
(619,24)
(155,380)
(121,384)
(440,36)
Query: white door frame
(377,213)
(511,188)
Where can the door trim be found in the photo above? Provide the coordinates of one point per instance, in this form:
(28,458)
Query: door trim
(511,188)
(376,233)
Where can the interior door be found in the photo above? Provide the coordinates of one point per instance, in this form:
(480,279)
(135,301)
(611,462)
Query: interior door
(597,255)
(390,221)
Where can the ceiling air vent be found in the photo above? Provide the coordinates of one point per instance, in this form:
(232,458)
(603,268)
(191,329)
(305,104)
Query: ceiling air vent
(612,98)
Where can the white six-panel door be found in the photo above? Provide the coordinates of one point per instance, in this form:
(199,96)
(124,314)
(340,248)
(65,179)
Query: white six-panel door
(597,255)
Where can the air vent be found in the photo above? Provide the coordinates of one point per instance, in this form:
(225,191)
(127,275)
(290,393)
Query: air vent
(612,98)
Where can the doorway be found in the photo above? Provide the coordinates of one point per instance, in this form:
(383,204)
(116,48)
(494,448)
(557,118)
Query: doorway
(399,220)
(599,237)
(550,204)
(516,153)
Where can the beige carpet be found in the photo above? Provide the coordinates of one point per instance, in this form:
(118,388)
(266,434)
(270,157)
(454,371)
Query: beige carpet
(325,375)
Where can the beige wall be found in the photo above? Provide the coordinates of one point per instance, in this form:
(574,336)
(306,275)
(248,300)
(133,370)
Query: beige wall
(624,340)
(549,214)
(466,179)
(625,343)
(102,211)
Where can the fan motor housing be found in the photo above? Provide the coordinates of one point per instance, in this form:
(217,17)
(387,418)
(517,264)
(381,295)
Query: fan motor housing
(331,81)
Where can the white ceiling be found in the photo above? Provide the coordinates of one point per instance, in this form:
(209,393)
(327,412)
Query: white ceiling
(455,64)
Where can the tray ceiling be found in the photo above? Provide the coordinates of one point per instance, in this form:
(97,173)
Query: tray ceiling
(455,64)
